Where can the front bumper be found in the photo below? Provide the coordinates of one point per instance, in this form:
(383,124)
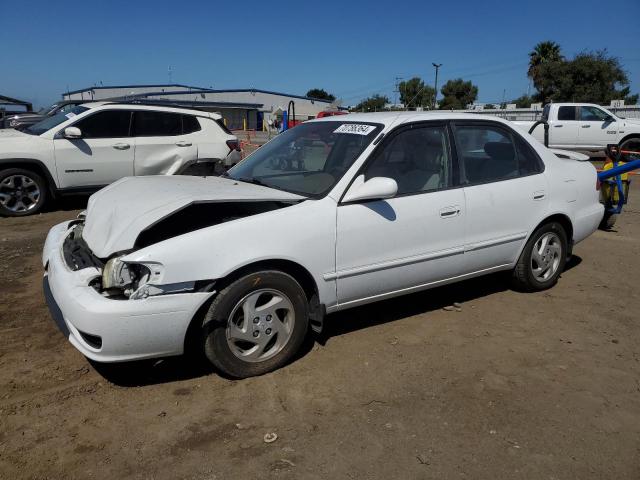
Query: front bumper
(126,329)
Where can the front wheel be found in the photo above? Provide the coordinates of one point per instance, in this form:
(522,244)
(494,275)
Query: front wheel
(22,192)
(256,324)
(543,259)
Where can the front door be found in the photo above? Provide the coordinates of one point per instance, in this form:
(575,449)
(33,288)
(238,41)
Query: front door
(505,192)
(597,127)
(103,155)
(413,240)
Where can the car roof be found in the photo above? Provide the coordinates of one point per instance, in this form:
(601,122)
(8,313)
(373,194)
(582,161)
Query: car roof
(388,118)
(155,108)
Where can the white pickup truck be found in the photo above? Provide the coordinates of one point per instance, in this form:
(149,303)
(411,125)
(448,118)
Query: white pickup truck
(583,126)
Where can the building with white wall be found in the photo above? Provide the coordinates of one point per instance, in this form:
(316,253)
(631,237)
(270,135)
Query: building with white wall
(246,106)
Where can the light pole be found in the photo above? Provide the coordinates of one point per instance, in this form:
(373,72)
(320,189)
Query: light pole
(435,95)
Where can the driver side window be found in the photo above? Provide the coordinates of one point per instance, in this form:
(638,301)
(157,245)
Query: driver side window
(416,158)
(592,114)
(105,124)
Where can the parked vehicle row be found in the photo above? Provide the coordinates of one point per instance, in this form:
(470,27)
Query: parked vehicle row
(88,146)
(584,126)
(335,213)
(20,120)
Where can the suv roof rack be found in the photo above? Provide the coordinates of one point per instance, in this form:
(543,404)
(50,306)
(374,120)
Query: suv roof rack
(158,103)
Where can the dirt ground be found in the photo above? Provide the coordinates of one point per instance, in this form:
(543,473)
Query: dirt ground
(529,386)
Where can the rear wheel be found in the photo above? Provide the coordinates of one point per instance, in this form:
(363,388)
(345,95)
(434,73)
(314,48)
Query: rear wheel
(543,258)
(256,324)
(22,192)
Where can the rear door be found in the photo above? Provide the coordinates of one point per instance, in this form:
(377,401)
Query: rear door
(162,144)
(505,192)
(103,154)
(597,127)
(564,131)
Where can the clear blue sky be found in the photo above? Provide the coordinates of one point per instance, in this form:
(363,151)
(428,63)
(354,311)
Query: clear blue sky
(350,48)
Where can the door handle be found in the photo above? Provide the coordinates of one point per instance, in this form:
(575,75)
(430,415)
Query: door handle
(121,146)
(557,126)
(539,195)
(449,212)
(182,143)
(586,126)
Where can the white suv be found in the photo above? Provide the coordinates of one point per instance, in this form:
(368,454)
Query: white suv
(95,144)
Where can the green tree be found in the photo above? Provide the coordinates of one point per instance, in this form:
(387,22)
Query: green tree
(489,106)
(523,101)
(457,94)
(320,94)
(595,77)
(375,103)
(542,55)
(415,93)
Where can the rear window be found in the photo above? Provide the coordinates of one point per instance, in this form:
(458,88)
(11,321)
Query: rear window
(224,128)
(567,113)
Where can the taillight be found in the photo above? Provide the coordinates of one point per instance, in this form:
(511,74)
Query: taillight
(233,145)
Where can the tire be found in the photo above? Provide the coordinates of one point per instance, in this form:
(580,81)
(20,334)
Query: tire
(22,192)
(228,337)
(531,273)
(608,221)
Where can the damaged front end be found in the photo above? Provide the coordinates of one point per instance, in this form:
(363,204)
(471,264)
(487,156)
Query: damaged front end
(126,280)
(122,280)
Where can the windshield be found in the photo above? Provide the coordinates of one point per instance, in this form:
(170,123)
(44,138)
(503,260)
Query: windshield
(50,122)
(308,159)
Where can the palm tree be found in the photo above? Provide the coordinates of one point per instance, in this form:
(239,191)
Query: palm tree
(543,52)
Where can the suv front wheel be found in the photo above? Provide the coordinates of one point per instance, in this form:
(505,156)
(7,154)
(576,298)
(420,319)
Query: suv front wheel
(22,192)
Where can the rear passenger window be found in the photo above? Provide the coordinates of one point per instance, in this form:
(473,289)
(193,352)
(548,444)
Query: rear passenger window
(567,113)
(417,159)
(156,124)
(190,124)
(489,154)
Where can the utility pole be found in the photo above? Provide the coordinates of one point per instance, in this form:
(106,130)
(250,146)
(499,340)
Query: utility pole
(397,90)
(169,73)
(435,95)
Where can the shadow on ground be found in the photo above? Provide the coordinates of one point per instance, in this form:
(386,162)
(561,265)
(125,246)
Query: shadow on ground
(158,371)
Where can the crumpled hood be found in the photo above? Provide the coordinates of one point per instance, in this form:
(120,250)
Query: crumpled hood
(118,213)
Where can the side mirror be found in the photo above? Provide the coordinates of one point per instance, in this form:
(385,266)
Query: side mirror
(72,132)
(376,188)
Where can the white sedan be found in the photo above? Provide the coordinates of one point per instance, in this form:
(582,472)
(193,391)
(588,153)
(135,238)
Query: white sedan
(331,214)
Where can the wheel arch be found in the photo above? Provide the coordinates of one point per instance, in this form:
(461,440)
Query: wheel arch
(629,137)
(297,271)
(563,220)
(37,166)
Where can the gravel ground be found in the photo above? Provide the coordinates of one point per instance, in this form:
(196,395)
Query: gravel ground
(514,386)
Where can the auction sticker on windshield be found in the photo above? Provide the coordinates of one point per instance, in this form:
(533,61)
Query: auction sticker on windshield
(355,128)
